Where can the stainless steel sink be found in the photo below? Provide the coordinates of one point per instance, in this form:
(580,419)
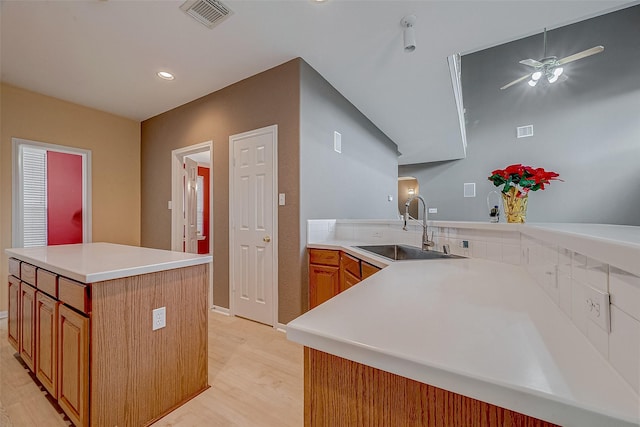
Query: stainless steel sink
(404,252)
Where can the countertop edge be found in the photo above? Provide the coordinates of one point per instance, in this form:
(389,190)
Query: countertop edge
(118,273)
(537,405)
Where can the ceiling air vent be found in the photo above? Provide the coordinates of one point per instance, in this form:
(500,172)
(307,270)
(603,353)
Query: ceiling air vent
(207,12)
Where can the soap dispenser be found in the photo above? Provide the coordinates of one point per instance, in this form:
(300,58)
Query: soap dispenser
(493,203)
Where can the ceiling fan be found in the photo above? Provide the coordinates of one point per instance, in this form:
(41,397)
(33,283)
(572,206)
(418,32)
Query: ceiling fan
(550,67)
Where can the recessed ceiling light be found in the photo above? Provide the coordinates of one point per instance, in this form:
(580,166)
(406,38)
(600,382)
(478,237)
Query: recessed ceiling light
(165,75)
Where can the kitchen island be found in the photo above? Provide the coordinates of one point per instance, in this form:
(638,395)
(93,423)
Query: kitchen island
(82,319)
(424,342)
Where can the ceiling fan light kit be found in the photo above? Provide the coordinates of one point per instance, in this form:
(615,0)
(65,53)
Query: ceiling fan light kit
(549,67)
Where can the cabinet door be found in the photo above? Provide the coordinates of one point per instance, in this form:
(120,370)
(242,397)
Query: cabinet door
(349,271)
(348,280)
(27,324)
(73,365)
(368,270)
(323,283)
(14,312)
(46,342)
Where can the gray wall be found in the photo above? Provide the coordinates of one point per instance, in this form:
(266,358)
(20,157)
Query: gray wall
(586,128)
(354,184)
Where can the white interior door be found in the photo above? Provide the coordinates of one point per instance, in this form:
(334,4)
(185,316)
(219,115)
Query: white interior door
(191,206)
(253,215)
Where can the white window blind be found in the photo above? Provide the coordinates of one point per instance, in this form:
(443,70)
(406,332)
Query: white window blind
(200,205)
(34,191)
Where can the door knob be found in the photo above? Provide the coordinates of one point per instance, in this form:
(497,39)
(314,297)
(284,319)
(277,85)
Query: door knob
(266,239)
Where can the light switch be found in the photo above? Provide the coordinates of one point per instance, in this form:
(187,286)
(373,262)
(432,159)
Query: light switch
(337,142)
(281,199)
(169,205)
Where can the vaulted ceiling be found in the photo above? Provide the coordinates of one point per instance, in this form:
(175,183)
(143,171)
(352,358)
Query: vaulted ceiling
(105,54)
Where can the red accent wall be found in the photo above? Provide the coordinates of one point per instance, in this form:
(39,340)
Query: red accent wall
(203,245)
(64,198)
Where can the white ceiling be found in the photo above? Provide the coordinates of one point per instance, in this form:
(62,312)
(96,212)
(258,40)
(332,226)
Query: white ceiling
(104,54)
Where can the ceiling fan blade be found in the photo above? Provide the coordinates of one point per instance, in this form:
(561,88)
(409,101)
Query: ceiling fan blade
(531,63)
(516,81)
(580,55)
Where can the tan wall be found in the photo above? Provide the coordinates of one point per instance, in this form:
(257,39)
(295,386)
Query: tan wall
(271,97)
(115,156)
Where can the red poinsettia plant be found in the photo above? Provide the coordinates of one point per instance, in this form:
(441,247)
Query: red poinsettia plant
(522,178)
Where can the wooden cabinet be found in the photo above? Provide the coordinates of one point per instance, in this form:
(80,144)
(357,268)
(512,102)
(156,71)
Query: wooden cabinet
(331,272)
(338,389)
(91,345)
(73,365)
(14,310)
(47,342)
(27,324)
(324,275)
(368,270)
(349,271)
(324,283)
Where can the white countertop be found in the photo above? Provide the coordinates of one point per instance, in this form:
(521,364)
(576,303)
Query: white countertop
(95,262)
(474,327)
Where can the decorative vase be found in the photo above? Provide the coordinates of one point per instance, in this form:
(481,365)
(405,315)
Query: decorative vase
(515,208)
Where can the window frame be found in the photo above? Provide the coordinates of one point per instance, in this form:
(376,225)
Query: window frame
(17,234)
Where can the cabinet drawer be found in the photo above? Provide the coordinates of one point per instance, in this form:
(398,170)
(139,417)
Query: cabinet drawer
(14,267)
(324,257)
(73,293)
(28,273)
(351,264)
(47,282)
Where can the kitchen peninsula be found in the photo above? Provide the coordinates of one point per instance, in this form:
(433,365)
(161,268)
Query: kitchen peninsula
(474,340)
(88,319)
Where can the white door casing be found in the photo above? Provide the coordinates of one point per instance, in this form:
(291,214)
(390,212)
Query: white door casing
(17,219)
(253,216)
(191,206)
(177,201)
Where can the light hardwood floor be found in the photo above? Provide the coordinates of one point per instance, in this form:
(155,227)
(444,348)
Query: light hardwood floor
(256,379)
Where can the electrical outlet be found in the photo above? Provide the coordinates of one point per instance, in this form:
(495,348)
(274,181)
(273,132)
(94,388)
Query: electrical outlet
(433,210)
(159,318)
(597,308)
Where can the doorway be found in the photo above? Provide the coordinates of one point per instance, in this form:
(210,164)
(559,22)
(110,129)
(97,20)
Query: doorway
(253,217)
(192,202)
(51,194)
(408,187)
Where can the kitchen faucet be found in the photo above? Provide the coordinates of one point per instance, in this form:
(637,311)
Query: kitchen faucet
(426,243)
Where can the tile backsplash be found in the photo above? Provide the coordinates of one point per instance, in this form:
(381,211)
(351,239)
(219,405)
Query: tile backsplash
(569,278)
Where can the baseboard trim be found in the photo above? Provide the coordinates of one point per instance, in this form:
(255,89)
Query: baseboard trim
(281,327)
(220,310)
(4,314)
